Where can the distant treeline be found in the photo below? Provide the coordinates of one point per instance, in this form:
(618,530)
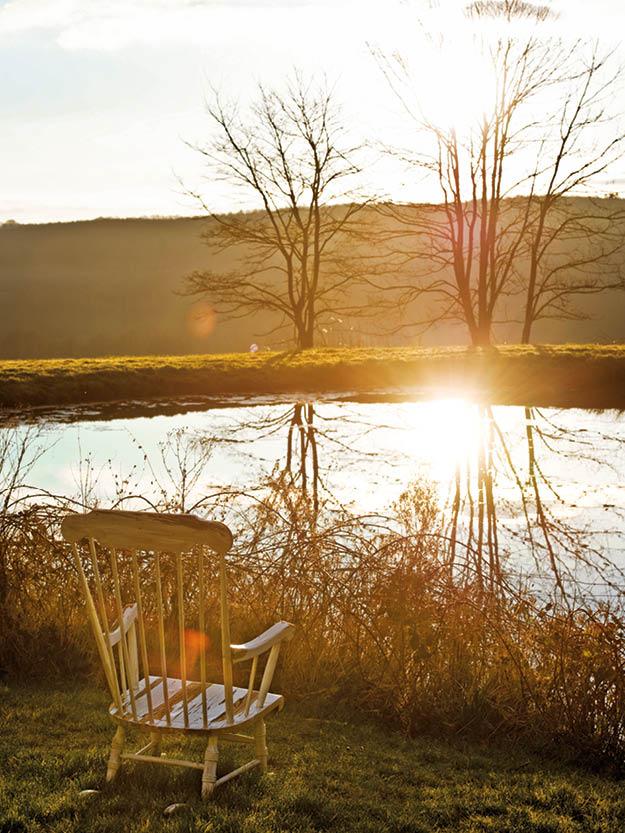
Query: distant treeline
(114,287)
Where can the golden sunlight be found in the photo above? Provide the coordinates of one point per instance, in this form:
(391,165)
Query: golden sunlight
(453,431)
(459,86)
(312,401)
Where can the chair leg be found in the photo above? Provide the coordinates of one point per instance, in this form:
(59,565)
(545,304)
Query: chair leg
(209,774)
(261,744)
(155,743)
(116,751)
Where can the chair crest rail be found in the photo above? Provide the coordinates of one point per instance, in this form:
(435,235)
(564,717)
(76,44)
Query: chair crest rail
(148,531)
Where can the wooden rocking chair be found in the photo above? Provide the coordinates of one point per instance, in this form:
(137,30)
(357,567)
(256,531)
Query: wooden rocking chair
(157,703)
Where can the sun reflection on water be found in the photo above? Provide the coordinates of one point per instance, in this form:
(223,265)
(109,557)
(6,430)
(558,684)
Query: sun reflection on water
(370,452)
(449,433)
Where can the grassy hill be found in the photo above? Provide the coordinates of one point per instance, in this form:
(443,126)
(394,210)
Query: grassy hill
(105,287)
(111,287)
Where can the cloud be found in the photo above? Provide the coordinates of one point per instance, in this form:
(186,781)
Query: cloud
(115,24)
(112,24)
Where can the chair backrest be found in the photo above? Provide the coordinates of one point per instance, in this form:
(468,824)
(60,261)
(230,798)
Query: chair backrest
(145,550)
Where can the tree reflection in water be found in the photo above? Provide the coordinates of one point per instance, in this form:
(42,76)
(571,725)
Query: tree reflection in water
(538,522)
(505,514)
(523,493)
(302,460)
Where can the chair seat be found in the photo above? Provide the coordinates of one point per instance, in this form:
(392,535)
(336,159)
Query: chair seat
(213,721)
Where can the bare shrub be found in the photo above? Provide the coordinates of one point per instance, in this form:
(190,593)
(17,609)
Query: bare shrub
(387,621)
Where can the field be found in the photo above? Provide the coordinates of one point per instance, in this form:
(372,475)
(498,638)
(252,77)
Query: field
(559,375)
(326,774)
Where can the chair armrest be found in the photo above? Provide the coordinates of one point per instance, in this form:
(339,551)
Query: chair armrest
(272,636)
(128,618)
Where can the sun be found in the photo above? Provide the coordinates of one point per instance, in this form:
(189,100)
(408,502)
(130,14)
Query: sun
(441,63)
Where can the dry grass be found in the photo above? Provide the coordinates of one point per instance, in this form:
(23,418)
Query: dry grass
(384,625)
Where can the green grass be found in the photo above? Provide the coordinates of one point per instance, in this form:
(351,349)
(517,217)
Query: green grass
(327,775)
(586,375)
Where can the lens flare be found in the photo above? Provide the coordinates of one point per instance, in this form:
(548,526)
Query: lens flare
(201,320)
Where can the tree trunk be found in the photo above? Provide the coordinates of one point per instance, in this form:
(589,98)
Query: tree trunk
(527,329)
(305,338)
(528,318)
(306,333)
(482,338)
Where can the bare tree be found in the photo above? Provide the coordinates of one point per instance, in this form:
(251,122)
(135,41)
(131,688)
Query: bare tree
(574,242)
(470,240)
(506,224)
(294,255)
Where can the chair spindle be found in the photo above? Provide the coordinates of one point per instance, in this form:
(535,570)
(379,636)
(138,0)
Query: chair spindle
(226,655)
(202,627)
(142,640)
(161,635)
(122,666)
(109,670)
(122,634)
(182,650)
(268,674)
(104,622)
(250,685)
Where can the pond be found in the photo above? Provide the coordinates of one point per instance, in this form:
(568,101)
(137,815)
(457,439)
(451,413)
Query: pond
(540,485)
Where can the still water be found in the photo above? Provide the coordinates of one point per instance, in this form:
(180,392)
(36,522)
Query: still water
(547,483)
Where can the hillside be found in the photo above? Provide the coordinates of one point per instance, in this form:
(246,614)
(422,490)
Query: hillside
(105,287)
(111,287)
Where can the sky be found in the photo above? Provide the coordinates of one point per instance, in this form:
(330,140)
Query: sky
(100,97)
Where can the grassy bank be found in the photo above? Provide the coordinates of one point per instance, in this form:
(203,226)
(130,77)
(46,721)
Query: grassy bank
(328,774)
(584,375)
